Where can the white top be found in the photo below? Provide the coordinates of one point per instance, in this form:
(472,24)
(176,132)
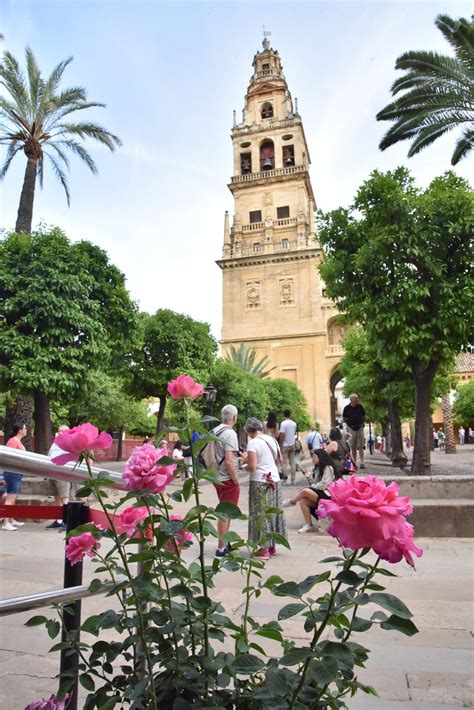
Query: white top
(266,450)
(177,454)
(288,427)
(55,451)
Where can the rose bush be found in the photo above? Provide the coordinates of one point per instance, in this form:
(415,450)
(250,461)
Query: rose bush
(174,645)
(80,440)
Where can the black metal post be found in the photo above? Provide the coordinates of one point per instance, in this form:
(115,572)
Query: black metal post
(74,513)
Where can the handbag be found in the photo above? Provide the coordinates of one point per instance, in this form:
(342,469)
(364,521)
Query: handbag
(349,463)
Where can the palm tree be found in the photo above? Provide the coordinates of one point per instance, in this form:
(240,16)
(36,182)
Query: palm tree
(34,119)
(438,93)
(246,358)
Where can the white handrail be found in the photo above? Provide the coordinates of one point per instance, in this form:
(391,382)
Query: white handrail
(27,462)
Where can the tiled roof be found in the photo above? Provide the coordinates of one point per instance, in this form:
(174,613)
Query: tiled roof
(464,362)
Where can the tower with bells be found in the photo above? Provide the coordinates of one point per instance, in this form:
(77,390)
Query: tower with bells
(273,298)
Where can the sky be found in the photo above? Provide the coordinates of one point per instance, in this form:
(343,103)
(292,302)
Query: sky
(171,73)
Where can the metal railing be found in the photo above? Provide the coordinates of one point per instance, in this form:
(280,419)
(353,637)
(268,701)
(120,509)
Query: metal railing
(74,514)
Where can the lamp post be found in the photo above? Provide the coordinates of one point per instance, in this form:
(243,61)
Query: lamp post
(210,396)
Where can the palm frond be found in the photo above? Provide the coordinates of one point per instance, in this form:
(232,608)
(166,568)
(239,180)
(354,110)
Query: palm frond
(463,146)
(61,176)
(246,358)
(58,113)
(61,154)
(87,129)
(40,170)
(12,78)
(35,83)
(78,150)
(12,150)
(436,93)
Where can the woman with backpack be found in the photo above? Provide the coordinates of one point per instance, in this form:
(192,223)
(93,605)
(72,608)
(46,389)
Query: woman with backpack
(337,450)
(308,498)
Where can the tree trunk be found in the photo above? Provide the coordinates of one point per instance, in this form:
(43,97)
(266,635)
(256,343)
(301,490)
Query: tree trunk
(20,413)
(397,454)
(423,377)
(161,415)
(24,218)
(449,441)
(43,429)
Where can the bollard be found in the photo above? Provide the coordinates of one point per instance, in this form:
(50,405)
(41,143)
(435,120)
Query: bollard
(75,513)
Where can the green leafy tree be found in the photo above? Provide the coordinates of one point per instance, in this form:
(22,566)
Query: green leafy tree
(398,261)
(56,319)
(235,386)
(35,119)
(171,344)
(463,407)
(284,394)
(436,93)
(246,358)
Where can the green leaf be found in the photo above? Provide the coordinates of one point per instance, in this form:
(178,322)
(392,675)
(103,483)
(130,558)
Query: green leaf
(95,585)
(324,671)
(273,634)
(228,511)
(87,682)
(296,655)
(246,664)
(307,584)
(280,540)
(53,628)
(287,589)
(188,486)
(349,577)
(360,624)
(397,623)
(36,621)
(290,610)
(391,603)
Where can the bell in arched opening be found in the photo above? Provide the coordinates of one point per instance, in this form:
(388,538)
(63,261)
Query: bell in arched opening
(267,156)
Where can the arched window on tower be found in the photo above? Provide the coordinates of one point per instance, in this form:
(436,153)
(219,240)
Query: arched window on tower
(288,156)
(245,163)
(267,110)
(267,156)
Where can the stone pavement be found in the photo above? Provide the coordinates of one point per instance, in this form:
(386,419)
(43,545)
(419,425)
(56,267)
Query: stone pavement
(430,671)
(442,464)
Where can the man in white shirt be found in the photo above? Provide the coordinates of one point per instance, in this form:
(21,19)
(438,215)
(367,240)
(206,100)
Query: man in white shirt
(64,489)
(286,438)
(313,440)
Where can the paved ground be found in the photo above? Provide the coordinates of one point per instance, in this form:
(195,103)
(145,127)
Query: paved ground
(430,671)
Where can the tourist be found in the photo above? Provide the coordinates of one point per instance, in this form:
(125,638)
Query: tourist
(337,450)
(462,434)
(435,438)
(262,456)
(227,454)
(13,480)
(270,427)
(353,415)
(309,497)
(470,439)
(379,444)
(408,441)
(313,440)
(441,439)
(63,489)
(286,438)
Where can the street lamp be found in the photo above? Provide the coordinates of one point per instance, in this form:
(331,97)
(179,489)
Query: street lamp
(210,395)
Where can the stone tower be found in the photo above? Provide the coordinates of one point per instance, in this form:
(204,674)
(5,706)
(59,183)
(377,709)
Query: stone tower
(273,298)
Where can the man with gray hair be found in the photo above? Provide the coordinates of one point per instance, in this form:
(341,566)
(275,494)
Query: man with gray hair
(353,415)
(227,455)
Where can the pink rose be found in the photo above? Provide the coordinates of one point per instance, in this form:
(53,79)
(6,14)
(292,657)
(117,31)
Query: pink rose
(52,704)
(399,546)
(79,439)
(179,539)
(79,546)
(364,511)
(130,518)
(141,470)
(185,386)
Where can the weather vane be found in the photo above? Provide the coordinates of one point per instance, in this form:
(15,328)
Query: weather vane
(266,33)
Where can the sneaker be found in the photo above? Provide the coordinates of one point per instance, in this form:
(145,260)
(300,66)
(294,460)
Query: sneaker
(224,552)
(9,527)
(287,503)
(62,528)
(272,550)
(362,465)
(262,554)
(54,525)
(307,529)
(17,524)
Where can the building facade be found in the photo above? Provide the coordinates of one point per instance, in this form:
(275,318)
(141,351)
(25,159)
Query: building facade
(273,297)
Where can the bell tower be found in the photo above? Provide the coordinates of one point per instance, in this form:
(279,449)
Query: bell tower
(273,298)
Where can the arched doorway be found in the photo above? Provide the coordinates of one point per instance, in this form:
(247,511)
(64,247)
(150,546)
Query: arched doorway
(335,379)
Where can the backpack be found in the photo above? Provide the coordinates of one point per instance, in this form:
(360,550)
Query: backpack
(349,463)
(208,457)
